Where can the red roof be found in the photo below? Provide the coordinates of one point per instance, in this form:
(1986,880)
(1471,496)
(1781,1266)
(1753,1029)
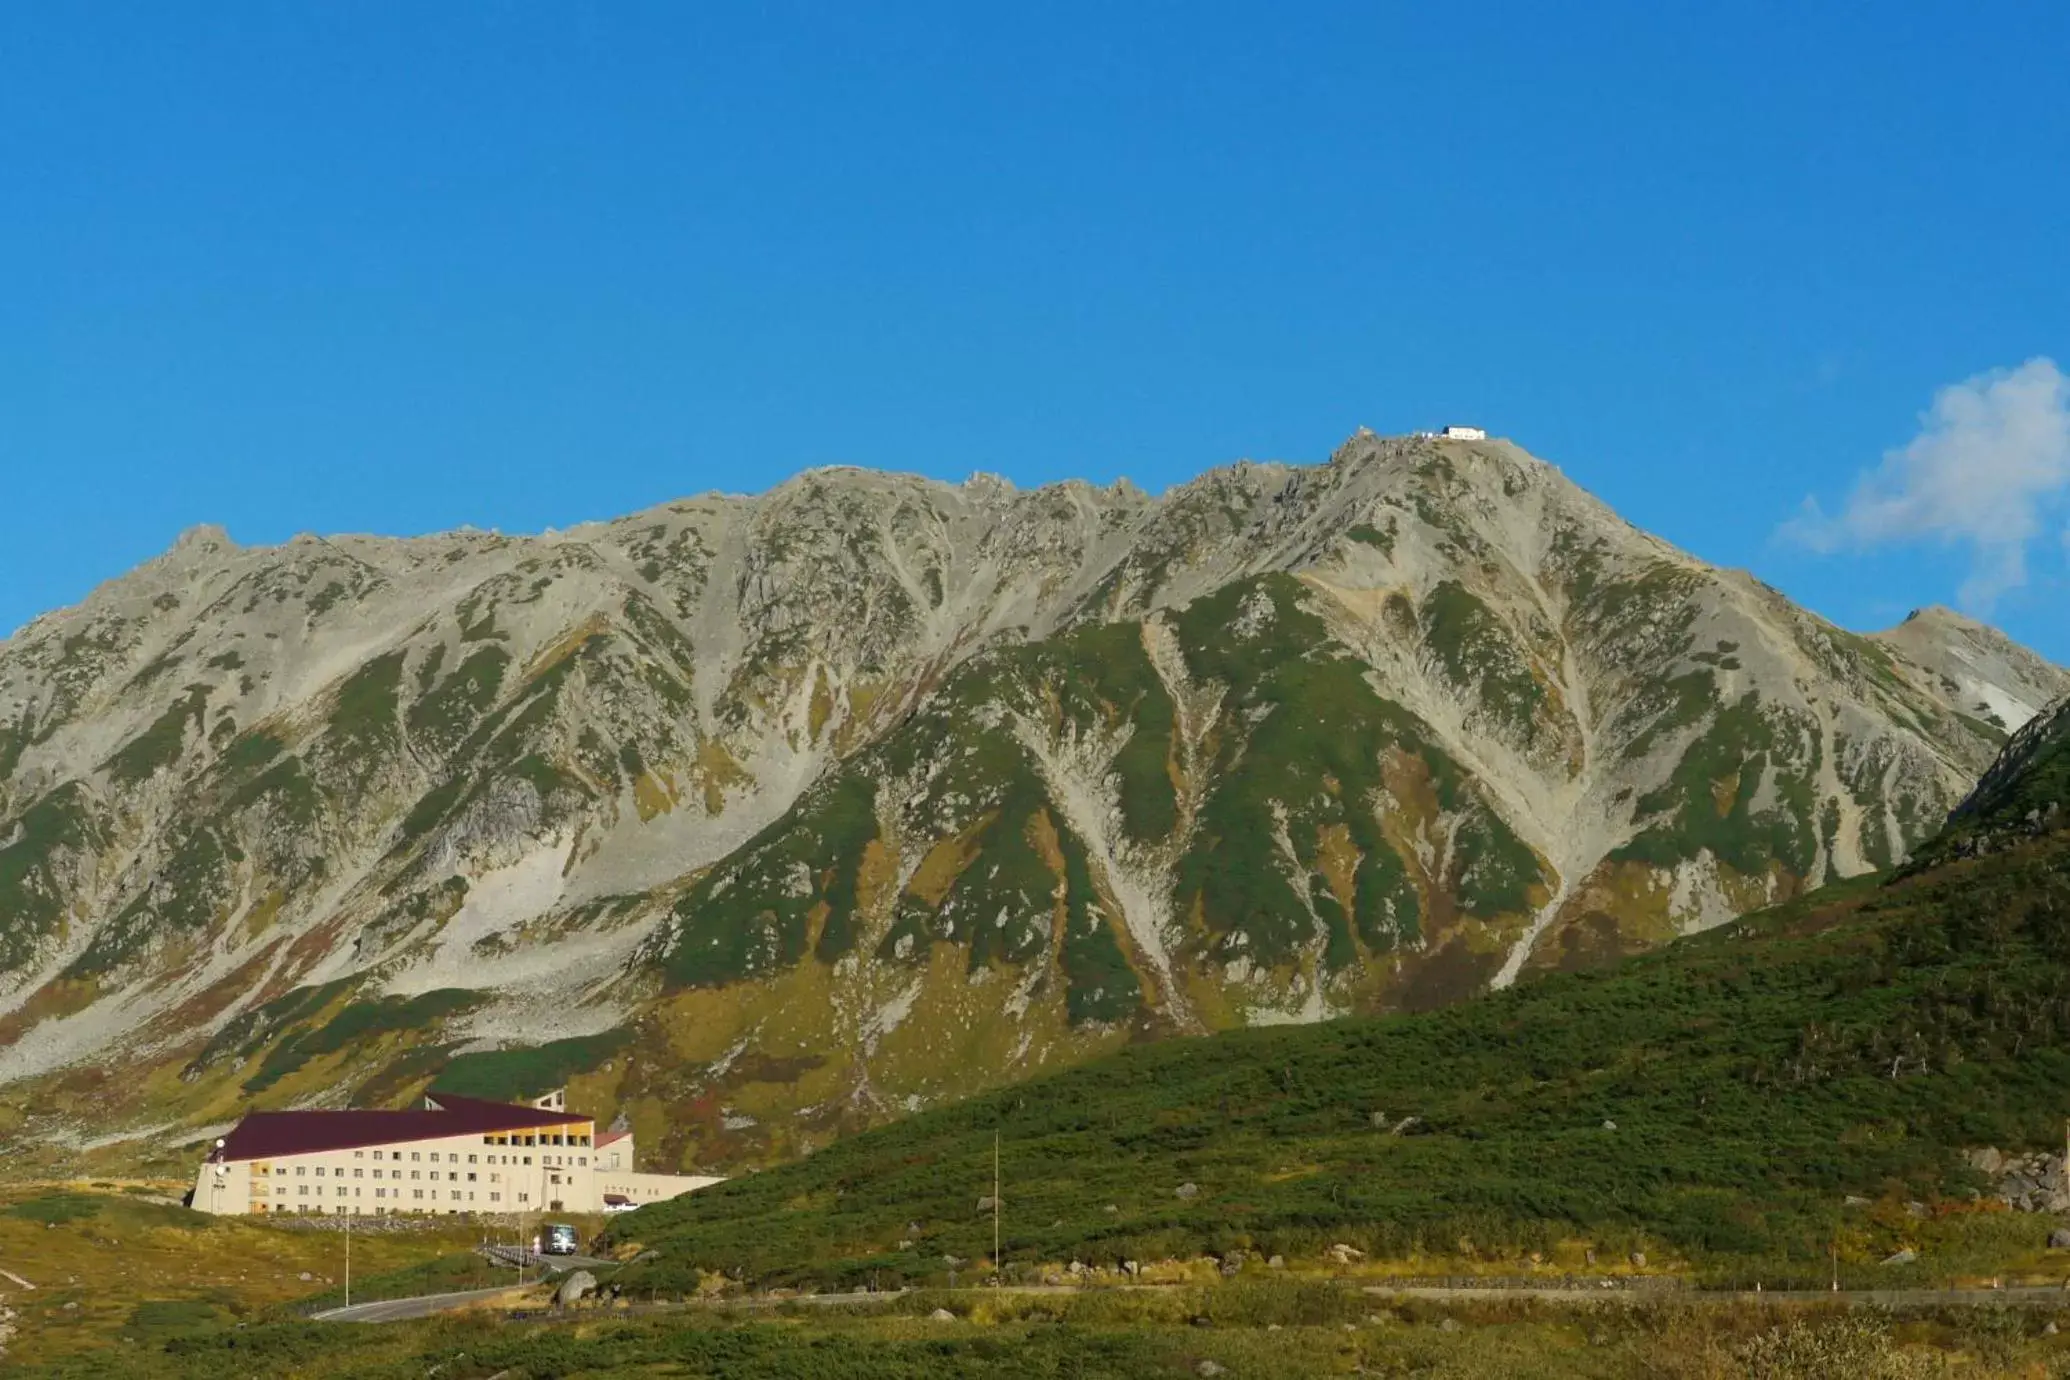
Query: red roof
(609,1137)
(266,1135)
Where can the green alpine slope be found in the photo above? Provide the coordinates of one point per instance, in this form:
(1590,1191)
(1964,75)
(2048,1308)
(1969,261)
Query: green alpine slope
(1716,1102)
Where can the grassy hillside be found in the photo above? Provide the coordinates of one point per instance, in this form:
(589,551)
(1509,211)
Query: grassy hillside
(113,1268)
(1713,1103)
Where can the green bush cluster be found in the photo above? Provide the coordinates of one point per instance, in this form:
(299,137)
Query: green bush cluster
(31,877)
(160,745)
(508,1075)
(355,1022)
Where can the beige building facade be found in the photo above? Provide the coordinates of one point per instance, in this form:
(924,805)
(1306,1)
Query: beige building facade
(453,1156)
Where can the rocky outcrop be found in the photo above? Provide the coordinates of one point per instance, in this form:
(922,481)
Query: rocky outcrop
(574,1289)
(2024,1182)
(2024,795)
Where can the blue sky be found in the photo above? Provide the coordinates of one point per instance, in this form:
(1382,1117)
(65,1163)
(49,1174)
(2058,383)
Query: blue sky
(395,268)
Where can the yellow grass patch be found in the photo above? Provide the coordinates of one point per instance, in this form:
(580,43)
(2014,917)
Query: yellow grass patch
(261,916)
(715,770)
(651,796)
(945,862)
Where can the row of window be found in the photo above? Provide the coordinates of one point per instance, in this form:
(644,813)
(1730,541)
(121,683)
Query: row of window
(454,1155)
(452,1175)
(454,1194)
(280,1171)
(387,1210)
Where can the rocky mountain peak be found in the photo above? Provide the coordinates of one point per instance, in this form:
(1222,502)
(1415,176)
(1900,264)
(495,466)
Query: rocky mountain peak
(203,539)
(833,800)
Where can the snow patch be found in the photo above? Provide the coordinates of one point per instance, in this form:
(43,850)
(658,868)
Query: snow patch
(2014,713)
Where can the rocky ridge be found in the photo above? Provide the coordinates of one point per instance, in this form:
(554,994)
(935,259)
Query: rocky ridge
(768,816)
(2024,795)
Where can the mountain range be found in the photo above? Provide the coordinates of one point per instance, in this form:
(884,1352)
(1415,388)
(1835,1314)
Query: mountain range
(761,819)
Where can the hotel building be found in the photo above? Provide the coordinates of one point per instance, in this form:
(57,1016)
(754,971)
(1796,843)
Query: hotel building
(452,1155)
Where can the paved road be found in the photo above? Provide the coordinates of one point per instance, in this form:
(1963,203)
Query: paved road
(509,1255)
(2023,1296)
(398,1310)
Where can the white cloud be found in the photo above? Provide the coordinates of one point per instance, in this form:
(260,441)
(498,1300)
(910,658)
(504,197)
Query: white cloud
(1989,470)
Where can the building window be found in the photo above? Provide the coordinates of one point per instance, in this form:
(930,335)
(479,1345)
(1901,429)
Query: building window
(359,1154)
(377,1154)
(416,1193)
(582,1160)
(280,1192)
(495,1178)
(470,1159)
(303,1189)
(361,1173)
(528,1159)
(416,1173)
(495,1197)
(413,1156)
(319,1171)
(471,1176)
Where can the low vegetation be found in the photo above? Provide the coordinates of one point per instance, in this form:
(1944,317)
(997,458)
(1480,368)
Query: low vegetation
(121,1266)
(1713,1105)
(1250,1331)
(508,1075)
